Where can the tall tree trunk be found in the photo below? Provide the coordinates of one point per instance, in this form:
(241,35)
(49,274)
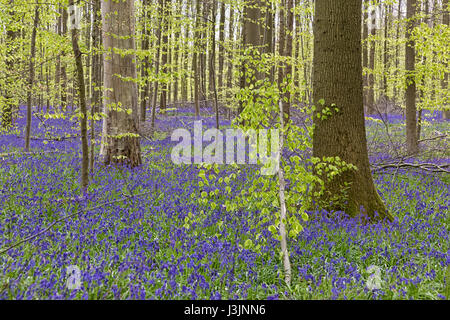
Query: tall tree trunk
(230,51)
(285,50)
(412,144)
(145,64)
(58,66)
(269,37)
(11,36)
(446,20)
(63,94)
(283,211)
(397,47)
(211,51)
(365,53)
(184,80)
(425,20)
(386,59)
(157,64)
(169,63)
(251,42)
(121,105)
(371,78)
(177,46)
(82,100)
(31,78)
(337,79)
(203,53)
(40,79)
(195,62)
(88,43)
(164,53)
(96,82)
(212,62)
(221,45)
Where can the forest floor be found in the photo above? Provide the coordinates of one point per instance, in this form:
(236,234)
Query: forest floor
(129,239)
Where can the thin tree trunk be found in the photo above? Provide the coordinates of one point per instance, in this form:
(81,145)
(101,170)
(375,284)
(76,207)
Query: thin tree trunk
(288,54)
(157,64)
(412,144)
(397,47)
(365,49)
(424,62)
(212,66)
(164,55)
(145,64)
(82,100)
(7,112)
(230,57)
(221,45)
(177,54)
(386,48)
(371,77)
(63,93)
(195,61)
(269,38)
(184,80)
(203,54)
(282,52)
(96,75)
(445,21)
(282,197)
(31,78)
(58,66)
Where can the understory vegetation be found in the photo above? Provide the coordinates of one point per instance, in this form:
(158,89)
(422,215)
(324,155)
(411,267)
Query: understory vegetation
(129,237)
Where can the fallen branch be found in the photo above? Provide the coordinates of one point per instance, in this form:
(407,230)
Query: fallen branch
(434,138)
(52,138)
(430,167)
(31,153)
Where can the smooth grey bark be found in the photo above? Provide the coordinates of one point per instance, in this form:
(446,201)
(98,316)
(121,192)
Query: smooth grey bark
(412,143)
(337,80)
(120,141)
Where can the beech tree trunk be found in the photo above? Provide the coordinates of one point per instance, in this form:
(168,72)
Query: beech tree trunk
(31,78)
(9,100)
(120,136)
(230,50)
(397,47)
(96,82)
(164,54)
(251,41)
(386,59)
(337,79)
(212,63)
(365,50)
(157,58)
(445,20)
(63,69)
(221,46)
(82,102)
(145,64)
(412,143)
(285,49)
(195,61)
(371,77)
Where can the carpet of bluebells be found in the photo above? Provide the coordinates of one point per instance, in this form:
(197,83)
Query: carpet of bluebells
(127,234)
